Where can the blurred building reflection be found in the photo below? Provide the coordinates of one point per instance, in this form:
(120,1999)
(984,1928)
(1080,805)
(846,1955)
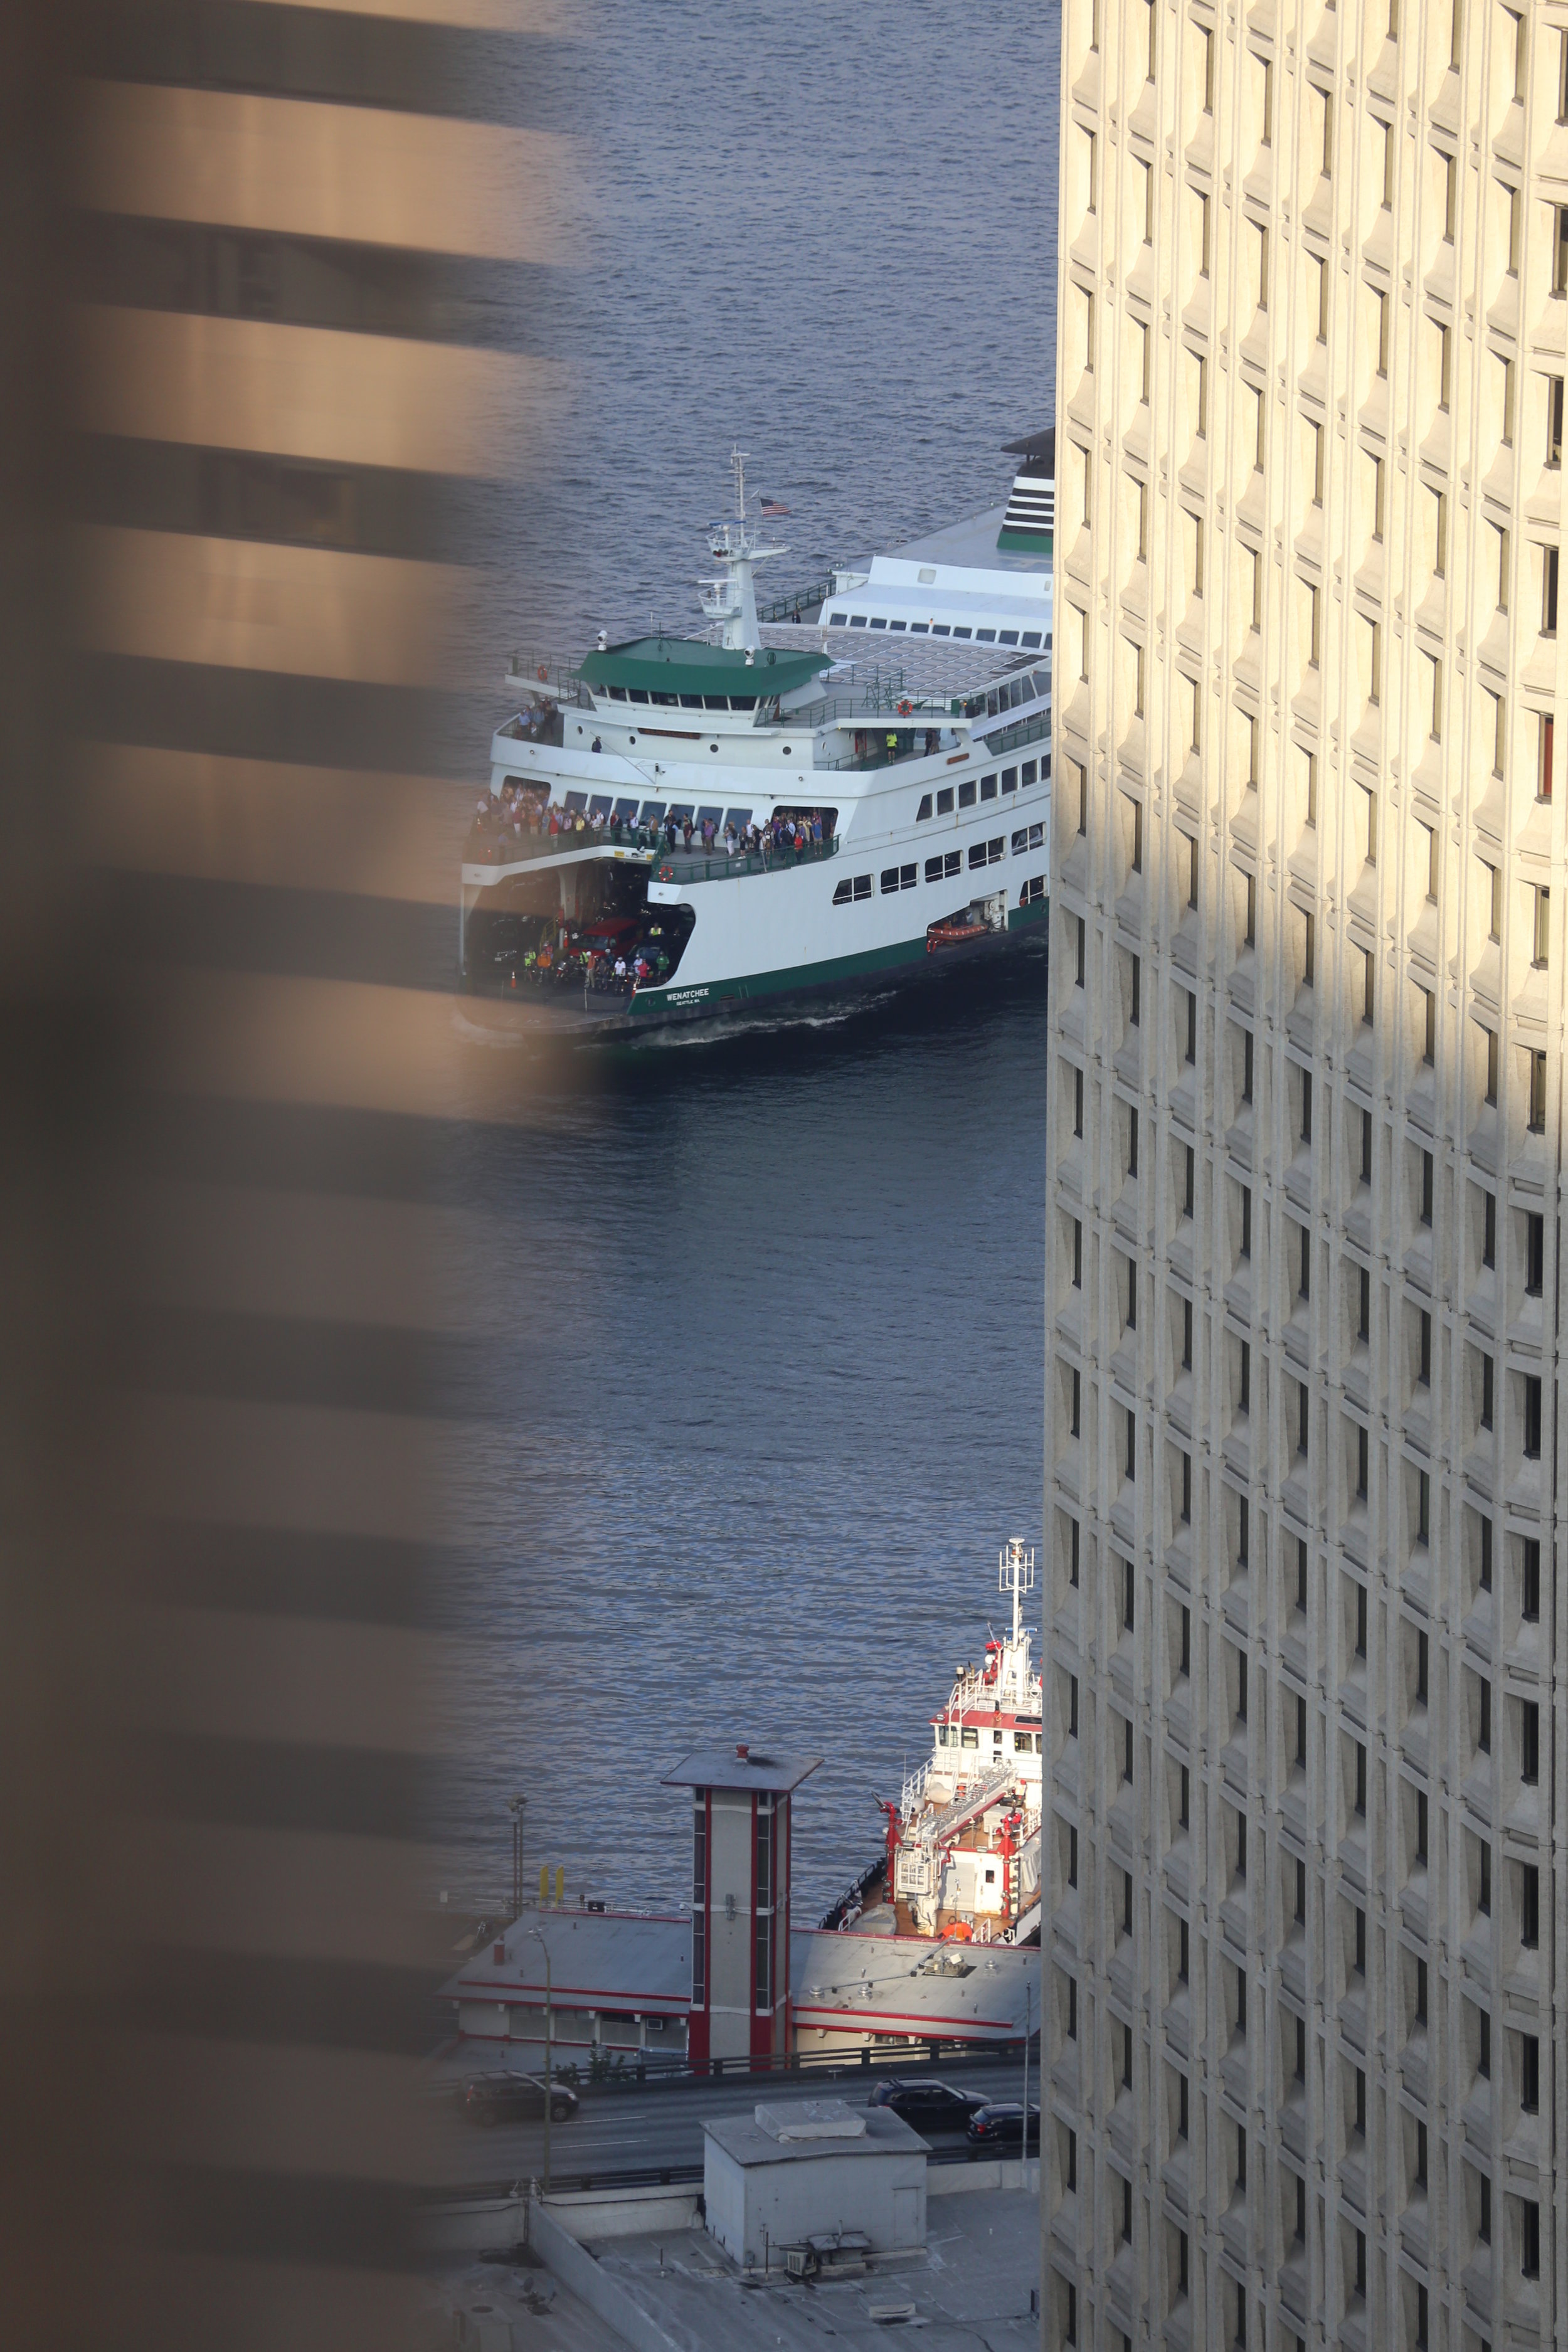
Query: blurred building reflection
(255,255)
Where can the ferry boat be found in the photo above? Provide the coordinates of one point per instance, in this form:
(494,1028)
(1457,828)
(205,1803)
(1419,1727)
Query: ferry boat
(848,786)
(962,1863)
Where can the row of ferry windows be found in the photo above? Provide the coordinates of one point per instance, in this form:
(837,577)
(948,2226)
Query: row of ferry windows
(967,1735)
(943,868)
(1011,780)
(653,812)
(685,701)
(1030,637)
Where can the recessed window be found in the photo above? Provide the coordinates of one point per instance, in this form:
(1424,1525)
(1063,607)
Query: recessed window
(857,620)
(987,788)
(944,801)
(967,793)
(925,809)
(837,621)
(957,633)
(985,637)
(879,625)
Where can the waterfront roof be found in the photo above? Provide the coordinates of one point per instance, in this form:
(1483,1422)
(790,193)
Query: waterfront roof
(725,1768)
(598,1960)
(841,1979)
(692,666)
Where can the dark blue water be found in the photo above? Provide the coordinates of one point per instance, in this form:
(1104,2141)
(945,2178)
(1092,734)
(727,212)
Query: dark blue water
(827,234)
(777,1291)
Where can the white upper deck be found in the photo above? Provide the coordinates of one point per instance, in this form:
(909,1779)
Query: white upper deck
(954,583)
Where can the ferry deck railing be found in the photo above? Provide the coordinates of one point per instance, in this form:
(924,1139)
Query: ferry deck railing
(792,604)
(509,848)
(684,866)
(1013,738)
(717,868)
(551,674)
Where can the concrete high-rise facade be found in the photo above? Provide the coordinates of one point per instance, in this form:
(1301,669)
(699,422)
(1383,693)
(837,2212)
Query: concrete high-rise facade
(1305,1674)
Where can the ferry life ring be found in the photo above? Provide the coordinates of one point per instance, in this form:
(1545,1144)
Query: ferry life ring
(541,673)
(667,873)
(904,709)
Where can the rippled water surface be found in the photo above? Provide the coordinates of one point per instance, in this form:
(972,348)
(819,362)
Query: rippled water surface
(773,1295)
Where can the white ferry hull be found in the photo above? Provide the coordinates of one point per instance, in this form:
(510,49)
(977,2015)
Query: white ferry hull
(902,737)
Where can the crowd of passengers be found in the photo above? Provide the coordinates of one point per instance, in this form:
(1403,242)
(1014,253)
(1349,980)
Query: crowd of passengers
(517,817)
(565,957)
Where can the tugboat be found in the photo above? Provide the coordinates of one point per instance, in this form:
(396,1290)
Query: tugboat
(962,1863)
(849,786)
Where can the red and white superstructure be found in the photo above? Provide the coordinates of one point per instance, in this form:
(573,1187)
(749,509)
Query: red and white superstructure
(963,1862)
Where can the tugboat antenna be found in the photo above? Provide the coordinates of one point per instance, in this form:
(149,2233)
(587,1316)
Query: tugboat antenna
(1016,1574)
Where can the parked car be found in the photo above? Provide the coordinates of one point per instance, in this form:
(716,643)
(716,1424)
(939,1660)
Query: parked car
(1000,2124)
(515,2098)
(928,2107)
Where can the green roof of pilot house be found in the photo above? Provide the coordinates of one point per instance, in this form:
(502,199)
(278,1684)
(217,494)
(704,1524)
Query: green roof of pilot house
(680,666)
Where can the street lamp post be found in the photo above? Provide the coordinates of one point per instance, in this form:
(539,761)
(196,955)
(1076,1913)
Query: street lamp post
(548,2050)
(1028,2020)
(516,1807)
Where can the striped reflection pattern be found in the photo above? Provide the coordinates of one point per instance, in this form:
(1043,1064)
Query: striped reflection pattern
(259,263)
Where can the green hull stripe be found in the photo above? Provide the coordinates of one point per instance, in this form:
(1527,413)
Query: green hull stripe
(647,1002)
(1025,542)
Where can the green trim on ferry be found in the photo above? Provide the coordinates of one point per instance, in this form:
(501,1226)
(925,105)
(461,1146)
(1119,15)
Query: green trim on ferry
(1025,542)
(714,993)
(678,665)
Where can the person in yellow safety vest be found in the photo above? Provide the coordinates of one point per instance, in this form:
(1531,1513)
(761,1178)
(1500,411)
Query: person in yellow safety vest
(892,747)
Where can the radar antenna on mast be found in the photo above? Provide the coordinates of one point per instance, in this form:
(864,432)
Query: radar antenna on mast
(730,600)
(1016,1574)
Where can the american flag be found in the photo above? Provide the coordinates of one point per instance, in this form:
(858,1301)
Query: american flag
(772,508)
